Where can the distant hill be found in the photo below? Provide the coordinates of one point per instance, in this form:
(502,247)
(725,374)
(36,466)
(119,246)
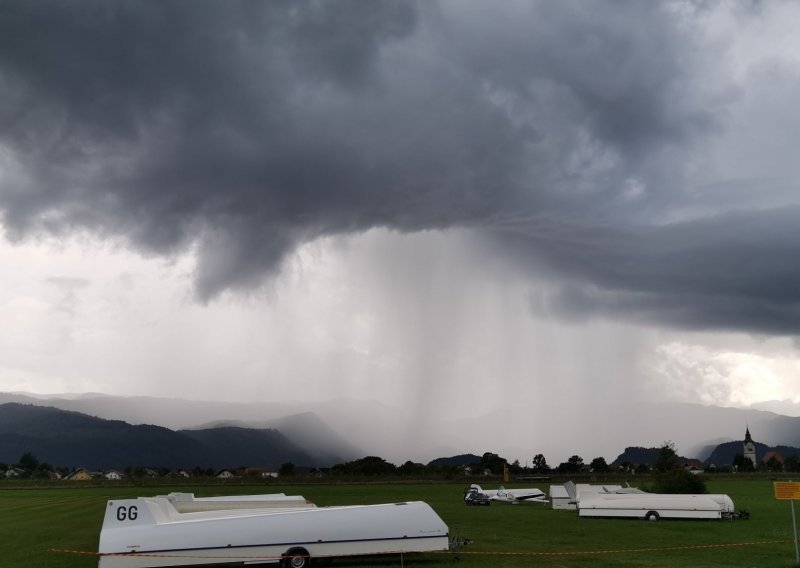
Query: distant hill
(248,447)
(724,453)
(349,429)
(784,407)
(72,439)
(304,429)
(784,430)
(463,459)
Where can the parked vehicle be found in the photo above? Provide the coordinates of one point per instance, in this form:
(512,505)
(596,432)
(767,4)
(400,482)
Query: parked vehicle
(475,498)
(150,532)
(513,496)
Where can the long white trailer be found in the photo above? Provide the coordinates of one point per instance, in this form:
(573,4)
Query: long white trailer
(655,506)
(618,501)
(150,532)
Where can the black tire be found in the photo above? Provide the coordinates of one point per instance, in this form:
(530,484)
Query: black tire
(652,516)
(296,558)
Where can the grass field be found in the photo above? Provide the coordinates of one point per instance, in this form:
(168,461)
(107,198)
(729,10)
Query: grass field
(34,521)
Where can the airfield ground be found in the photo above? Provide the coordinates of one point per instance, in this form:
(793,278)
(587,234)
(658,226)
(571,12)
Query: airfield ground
(38,524)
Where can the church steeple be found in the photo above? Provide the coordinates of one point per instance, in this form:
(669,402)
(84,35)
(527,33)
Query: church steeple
(749,447)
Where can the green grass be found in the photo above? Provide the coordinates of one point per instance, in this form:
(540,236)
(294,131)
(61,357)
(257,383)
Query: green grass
(34,521)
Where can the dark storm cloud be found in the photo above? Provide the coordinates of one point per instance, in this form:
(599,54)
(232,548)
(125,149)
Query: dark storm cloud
(251,126)
(248,128)
(733,271)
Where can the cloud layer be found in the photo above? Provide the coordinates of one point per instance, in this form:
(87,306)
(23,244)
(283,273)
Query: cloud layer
(638,153)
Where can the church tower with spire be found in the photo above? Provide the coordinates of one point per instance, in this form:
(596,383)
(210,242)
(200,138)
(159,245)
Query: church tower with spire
(749,447)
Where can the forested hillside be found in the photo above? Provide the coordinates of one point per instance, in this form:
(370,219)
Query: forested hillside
(71,439)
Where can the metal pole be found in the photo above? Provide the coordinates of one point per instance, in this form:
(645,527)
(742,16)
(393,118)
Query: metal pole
(794,528)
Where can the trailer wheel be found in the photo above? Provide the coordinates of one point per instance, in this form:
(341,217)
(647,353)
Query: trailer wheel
(296,558)
(651,516)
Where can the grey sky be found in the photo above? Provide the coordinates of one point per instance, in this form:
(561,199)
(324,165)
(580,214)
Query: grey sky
(571,164)
(254,127)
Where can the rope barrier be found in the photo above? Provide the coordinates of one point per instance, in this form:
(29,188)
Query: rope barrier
(459,552)
(625,550)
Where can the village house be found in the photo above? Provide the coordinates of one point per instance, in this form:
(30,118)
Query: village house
(772,454)
(694,466)
(79,474)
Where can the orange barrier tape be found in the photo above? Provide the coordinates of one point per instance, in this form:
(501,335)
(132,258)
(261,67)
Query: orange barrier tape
(626,550)
(458,552)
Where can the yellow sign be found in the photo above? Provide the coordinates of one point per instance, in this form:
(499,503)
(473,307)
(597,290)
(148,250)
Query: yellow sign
(787,490)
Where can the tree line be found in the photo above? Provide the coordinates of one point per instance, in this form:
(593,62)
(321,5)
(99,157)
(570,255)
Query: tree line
(488,464)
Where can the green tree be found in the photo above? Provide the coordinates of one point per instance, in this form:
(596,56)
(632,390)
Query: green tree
(678,481)
(449,471)
(671,476)
(412,469)
(573,465)
(370,466)
(286,470)
(492,462)
(28,462)
(741,463)
(599,465)
(197,471)
(791,463)
(772,464)
(540,464)
(135,472)
(667,459)
(44,471)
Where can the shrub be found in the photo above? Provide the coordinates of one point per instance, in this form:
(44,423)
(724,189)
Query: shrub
(678,481)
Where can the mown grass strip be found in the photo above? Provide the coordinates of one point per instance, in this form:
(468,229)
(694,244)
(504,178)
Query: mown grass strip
(35,522)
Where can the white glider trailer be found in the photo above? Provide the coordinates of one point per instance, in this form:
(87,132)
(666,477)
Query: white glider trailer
(618,501)
(655,506)
(150,532)
(560,499)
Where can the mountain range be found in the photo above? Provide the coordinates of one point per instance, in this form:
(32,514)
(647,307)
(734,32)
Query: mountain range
(72,439)
(342,430)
